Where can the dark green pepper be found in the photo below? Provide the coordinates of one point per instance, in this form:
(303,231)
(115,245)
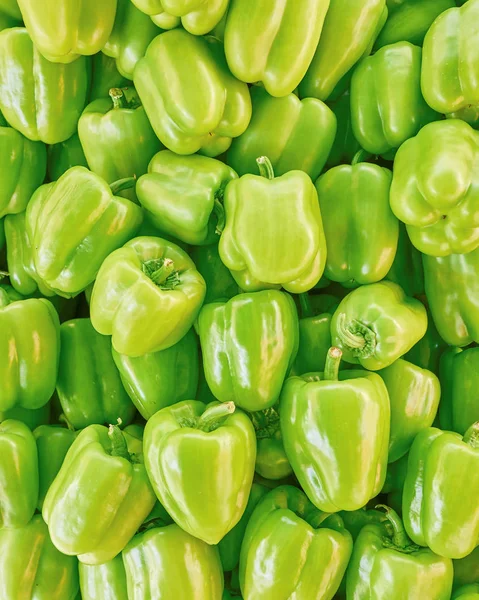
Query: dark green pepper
(64,156)
(271,459)
(220,284)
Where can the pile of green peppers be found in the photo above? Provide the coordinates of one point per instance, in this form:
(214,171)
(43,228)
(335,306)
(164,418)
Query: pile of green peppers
(239,300)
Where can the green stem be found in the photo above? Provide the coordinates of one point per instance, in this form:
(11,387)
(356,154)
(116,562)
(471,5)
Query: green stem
(350,339)
(471,437)
(212,416)
(118,442)
(62,418)
(118,98)
(360,156)
(219,211)
(305,303)
(161,275)
(122,184)
(265,422)
(4,274)
(400,537)
(265,167)
(333,360)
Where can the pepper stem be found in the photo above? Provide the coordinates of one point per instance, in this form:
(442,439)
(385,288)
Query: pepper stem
(350,339)
(118,442)
(265,167)
(219,211)
(333,360)
(305,303)
(209,420)
(122,184)
(162,272)
(4,274)
(118,98)
(63,419)
(400,537)
(471,437)
(360,156)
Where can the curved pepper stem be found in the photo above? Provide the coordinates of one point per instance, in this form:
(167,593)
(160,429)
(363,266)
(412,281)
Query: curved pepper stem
(357,337)
(118,442)
(122,185)
(400,537)
(118,98)
(305,303)
(162,272)
(265,167)
(471,437)
(360,156)
(213,416)
(333,360)
(219,211)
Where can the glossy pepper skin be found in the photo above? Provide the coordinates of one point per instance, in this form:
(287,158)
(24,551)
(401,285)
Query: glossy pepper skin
(273,42)
(18,476)
(230,546)
(467,592)
(117,137)
(387,106)
(52,95)
(271,460)
(386,564)
(99,498)
(193,452)
(291,549)
(184,194)
(407,270)
(146,296)
(376,324)
(220,284)
(248,344)
(189,568)
(103,582)
(360,229)
(450,72)
(349,32)
(459,373)
(441,463)
(79,28)
(409,20)
(434,188)
(452,288)
(191,99)
(274,234)
(89,385)
(162,378)
(345,145)
(414,395)
(32,568)
(73,225)
(53,443)
(335,432)
(301,138)
(29,352)
(64,156)
(131,35)
(24,166)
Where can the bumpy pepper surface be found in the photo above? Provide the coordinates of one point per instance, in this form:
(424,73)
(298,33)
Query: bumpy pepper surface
(291,549)
(146,296)
(99,498)
(335,431)
(191,99)
(440,464)
(194,452)
(249,345)
(184,196)
(74,224)
(274,234)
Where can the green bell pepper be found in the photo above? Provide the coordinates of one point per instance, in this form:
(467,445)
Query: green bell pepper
(196,16)
(64,156)
(53,442)
(433,189)
(414,399)
(273,43)
(103,582)
(452,286)
(301,138)
(18,476)
(318,413)
(449,77)
(183,196)
(386,564)
(163,378)
(32,568)
(220,284)
(349,32)
(459,375)
(99,498)
(29,352)
(193,452)
(394,484)
(147,296)
(189,567)
(355,520)
(292,549)
(376,324)
(24,166)
(466,570)
(190,97)
(117,137)
(345,145)
(131,35)
(89,385)
(271,460)
(407,270)
(105,76)
(427,352)
(79,27)
(467,592)
(32,418)
(409,20)
(435,515)
(74,224)
(387,107)
(249,344)
(10,15)
(230,546)
(51,97)
(360,229)
(274,234)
